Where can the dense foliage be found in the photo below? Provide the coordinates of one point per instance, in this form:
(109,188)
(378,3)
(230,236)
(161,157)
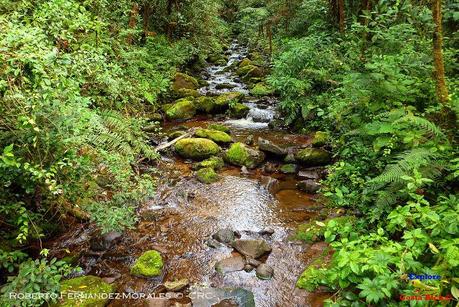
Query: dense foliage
(78,80)
(395,140)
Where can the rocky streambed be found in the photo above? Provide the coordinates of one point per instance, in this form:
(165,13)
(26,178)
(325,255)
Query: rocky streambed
(232,190)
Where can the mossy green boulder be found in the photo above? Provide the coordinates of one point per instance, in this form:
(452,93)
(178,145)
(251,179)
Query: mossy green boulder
(245,62)
(186,92)
(241,155)
(223,101)
(261,89)
(196,148)
(250,71)
(205,104)
(182,109)
(238,110)
(215,163)
(183,81)
(207,175)
(214,135)
(320,139)
(219,127)
(94,292)
(149,264)
(289,168)
(313,156)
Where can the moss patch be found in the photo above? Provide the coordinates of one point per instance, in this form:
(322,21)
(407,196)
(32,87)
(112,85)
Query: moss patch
(184,81)
(261,89)
(215,163)
(149,264)
(87,285)
(238,110)
(196,148)
(313,156)
(219,127)
(205,104)
(214,135)
(289,168)
(245,62)
(182,109)
(207,175)
(223,101)
(241,155)
(320,139)
(314,231)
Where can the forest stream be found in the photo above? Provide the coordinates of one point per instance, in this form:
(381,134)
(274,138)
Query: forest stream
(183,218)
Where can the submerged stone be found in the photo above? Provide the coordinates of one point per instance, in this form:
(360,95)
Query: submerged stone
(149,264)
(196,148)
(308,186)
(270,147)
(94,292)
(176,285)
(231,264)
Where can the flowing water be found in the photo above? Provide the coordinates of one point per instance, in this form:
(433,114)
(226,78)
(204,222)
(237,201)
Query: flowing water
(185,213)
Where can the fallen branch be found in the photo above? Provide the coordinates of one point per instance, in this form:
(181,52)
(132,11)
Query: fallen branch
(168,144)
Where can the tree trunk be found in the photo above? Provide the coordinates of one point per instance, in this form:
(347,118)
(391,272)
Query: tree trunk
(132,21)
(439,68)
(341,15)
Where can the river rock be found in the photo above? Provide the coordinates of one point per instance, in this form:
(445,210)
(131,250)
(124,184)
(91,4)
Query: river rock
(215,163)
(252,248)
(289,168)
(260,115)
(214,135)
(104,242)
(176,285)
(242,155)
(182,109)
(290,157)
(222,297)
(253,262)
(149,264)
(183,82)
(313,156)
(232,264)
(249,140)
(238,110)
(223,101)
(205,104)
(196,148)
(264,271)
(269,183)
(320,139)
(268,146)
(308,186)
(219,127)
(93,288)
(222,86)
(267,231)
(207,175)
(309,174)
(225,236)
(261,89)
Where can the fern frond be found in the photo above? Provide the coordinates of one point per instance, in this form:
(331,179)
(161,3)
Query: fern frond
(427,126)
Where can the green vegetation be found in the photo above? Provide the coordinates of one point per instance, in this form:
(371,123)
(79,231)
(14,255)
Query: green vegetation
(149,264)
(207,175)
(374,77)
(92,286)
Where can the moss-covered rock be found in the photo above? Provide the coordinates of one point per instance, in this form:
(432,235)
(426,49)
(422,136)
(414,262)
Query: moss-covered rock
(149,264)
(196,148)
(245,62)
(320,139)
(261,89)
(185,92)
(250,71)
(215,163)
(242,155)
(94,292)
(183,81)
(223,101)
(207,175)
(313,156)
(238,110)
(166,107)
(289,168)
(214,135)
(219,127)
(175,134)
(205,104)
(182,109)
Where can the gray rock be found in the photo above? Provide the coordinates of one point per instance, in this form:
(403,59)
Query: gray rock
(249,140)
(308,186)
(205,297)
(248,268)
(253,262)
(225,236)
(244,170)
(270,147)
(267,231)
(269,183)
(213,243)
(290,158)
(308,174)
(105,241)
(252,248)
(232,264)
(264,271)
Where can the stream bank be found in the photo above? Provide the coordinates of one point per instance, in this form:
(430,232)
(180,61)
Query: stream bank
(189,222)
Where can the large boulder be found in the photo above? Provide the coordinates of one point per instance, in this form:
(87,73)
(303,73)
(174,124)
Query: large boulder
(242,155)
(183,82)
(149,264)
(313,156)
(238,110)
(250,71)
(269,147)
(94,292)
(252,248)
(214,135)
(182,109)
(196,148)
(205,104)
